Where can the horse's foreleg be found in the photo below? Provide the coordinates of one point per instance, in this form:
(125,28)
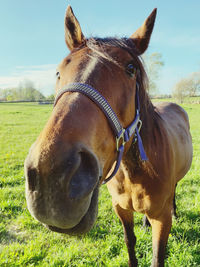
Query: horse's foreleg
(146,222)
(160,231)
(174,204)
(126,217)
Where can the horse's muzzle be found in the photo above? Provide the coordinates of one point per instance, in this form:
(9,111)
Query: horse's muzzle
(61,195)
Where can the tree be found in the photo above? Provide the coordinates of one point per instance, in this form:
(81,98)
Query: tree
(50,97)
(25,91)
(194,84)
(154,63)
(189,86)
(7,94)
(180,90)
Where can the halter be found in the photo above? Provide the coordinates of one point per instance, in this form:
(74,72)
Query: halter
(122,135)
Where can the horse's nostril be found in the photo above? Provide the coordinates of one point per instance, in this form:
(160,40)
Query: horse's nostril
(32,179)
(86,176)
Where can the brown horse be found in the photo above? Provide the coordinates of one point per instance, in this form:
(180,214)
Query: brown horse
(76,150)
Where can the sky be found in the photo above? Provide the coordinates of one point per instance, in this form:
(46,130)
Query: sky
(32,36)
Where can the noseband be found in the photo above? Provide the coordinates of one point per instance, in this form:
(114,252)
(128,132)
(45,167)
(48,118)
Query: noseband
(122,135)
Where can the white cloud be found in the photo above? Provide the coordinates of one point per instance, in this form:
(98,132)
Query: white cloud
(43,77)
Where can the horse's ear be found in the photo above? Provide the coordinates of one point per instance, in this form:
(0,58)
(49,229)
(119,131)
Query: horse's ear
(73,34)
(142,36)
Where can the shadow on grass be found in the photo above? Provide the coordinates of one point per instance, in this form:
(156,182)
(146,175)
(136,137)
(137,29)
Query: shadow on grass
(12,209)
(190,234)
(11,183)
(190,216)
(98,232)
(7,238)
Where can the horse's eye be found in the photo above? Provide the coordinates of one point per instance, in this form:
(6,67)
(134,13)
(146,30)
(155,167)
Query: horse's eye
(131,69)
(58,74)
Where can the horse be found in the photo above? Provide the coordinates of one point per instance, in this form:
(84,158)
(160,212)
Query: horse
(105,129)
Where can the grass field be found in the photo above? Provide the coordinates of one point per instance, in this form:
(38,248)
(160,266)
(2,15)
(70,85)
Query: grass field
(25,242)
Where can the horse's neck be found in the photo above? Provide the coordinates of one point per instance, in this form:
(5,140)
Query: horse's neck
(148,116)
(150,123)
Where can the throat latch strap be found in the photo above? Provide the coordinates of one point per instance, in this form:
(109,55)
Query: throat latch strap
(122,135)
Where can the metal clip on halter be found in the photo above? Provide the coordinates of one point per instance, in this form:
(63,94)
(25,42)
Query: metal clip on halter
(120,138)
(140,125)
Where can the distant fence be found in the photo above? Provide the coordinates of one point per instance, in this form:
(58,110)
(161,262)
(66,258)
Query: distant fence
(40,102)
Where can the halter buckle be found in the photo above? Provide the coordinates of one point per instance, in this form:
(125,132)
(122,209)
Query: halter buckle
(120,138)
(139,125)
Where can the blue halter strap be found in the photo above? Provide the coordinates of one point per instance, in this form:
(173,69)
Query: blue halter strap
(122,135)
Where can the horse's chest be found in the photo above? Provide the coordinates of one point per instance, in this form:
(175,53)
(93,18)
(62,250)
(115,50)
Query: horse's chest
(140,200)
(131,198)
(137,197)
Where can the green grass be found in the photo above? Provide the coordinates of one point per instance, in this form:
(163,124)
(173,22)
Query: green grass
(25,242)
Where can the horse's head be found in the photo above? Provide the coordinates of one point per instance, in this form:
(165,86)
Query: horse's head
(77,148)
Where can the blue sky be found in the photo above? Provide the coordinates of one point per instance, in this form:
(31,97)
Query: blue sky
(32,35)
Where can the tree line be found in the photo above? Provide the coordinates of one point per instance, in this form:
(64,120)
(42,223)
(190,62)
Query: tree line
(26,91)
(187,87)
